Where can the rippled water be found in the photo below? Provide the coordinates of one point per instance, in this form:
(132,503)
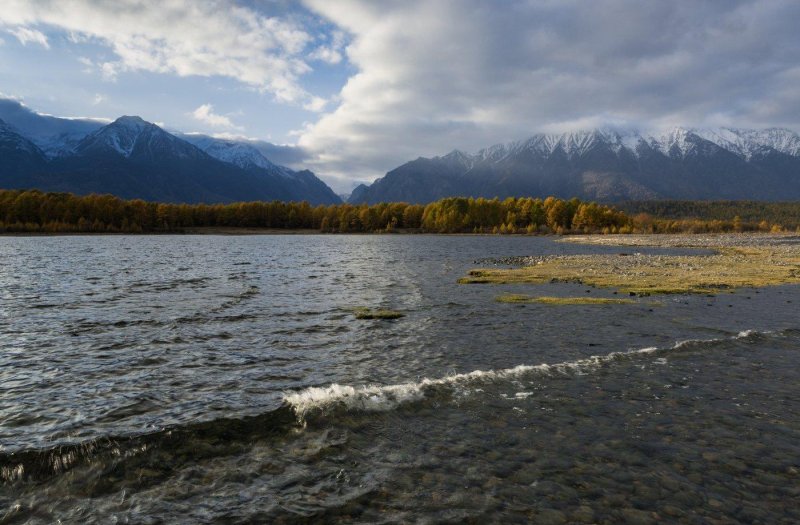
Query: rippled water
(152,379)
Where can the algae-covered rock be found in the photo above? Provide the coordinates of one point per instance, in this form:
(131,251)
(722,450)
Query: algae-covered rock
(379,313)
(527,299)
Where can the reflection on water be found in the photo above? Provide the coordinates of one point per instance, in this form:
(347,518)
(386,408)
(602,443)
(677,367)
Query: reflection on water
(161,378)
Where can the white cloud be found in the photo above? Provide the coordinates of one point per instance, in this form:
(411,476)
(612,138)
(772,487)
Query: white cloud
(110,70)
(205,114)
(315,104)
(87,64)
(326,54)
(183,37)
(27,35)
(433,76)
(330,53)
(98,99)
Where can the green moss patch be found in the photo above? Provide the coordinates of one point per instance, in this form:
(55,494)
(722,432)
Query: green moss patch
(380,313)
(527,299)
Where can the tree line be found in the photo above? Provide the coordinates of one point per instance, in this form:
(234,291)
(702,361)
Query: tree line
(746,214)
(35,211)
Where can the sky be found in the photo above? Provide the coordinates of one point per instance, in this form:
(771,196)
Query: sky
(358,87)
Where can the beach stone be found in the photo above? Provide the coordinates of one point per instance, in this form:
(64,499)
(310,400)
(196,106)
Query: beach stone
(615,500)
(646,491)
(525,476)
(637,517)
(546,488)
(550,517)
(753,514)
(671,510)
(504,469)
(492,482)
(583,514)
(736,465)
(695,477)
(669,483)
(687,499)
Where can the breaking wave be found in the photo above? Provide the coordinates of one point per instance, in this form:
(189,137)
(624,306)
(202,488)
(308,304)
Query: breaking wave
(191,441)
(388,397)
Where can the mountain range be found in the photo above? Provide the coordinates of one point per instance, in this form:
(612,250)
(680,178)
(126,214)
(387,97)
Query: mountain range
(132,158)
(608,165)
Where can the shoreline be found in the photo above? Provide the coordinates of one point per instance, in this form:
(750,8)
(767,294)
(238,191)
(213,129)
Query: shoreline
(632,239)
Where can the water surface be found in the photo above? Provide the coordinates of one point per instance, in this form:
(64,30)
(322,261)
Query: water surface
(224,378)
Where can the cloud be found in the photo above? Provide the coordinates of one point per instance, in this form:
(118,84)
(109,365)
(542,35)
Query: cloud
(315,104)
(326,54)
(433,76)
(98,99)
(205,114)
(108,70)
(183,37)
(331,53)
(26,35)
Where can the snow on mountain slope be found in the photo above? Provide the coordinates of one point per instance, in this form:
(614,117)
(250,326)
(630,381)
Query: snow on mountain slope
(747,142)
(238,153)
(121,135)
(235,152)
(130,135)
(55,136)
(677,141)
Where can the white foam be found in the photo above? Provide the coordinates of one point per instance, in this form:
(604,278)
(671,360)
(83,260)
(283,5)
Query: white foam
(382,398)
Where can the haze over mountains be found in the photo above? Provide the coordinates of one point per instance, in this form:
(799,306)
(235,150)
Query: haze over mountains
(132,158)
(608,165)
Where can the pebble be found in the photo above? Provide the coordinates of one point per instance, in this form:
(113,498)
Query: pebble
(671,510)
(550,517)
(637,517)
(583,514)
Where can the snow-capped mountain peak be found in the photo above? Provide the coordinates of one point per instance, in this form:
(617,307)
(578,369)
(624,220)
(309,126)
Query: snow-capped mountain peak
(132,136)
(459,157)
(674,142)
(121,135)
(678,142)
(748,142)
(234,152)
(238,153)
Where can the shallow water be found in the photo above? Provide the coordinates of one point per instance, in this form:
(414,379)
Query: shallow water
(153,379)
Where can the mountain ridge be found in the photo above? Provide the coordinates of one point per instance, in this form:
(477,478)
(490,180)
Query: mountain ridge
(134,158)
(609,165)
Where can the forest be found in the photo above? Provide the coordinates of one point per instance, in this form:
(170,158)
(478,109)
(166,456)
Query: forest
(784,214)
(33,211)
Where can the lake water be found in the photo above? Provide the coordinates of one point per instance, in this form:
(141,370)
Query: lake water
(164,379)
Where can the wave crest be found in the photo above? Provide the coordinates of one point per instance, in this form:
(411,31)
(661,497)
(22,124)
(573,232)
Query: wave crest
(376,398)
